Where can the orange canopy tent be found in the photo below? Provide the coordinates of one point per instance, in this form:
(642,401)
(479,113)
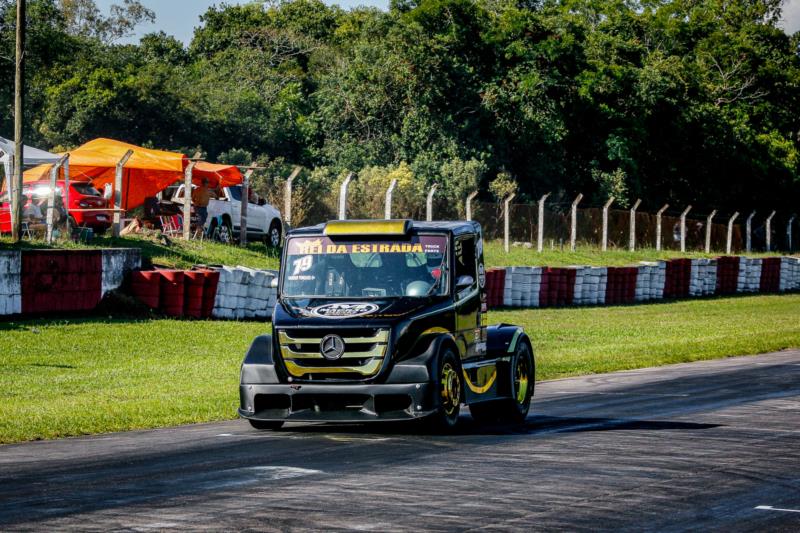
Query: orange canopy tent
(145,174)
(217,175)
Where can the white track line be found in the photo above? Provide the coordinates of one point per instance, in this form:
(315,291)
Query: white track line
(771,508)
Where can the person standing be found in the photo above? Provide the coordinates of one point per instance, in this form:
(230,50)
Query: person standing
(200,198)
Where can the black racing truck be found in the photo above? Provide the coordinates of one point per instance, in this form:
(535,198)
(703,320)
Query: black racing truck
(385,320)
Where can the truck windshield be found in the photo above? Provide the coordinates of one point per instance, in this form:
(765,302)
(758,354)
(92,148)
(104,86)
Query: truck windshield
(320,267)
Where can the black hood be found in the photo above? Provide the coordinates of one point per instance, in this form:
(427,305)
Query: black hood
(344,312)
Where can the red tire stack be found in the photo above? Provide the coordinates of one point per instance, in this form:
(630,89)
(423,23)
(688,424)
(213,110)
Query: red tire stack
(727,274)
(193,283)
(770,274)
(211,280)
(567,286)
(620,285)
(146,287)
(171,302)
(678,275)
(495,283)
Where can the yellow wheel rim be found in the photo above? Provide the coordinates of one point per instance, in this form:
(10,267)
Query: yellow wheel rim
(450,389)
(521,378)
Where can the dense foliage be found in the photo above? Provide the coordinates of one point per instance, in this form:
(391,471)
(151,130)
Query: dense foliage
(686,101)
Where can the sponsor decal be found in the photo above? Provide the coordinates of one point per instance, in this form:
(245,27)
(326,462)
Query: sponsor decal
(481,275)
(342,310)
(322,245)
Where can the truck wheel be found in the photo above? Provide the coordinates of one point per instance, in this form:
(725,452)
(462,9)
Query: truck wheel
(266,424)
(273,237)
(516,408)
(448,384)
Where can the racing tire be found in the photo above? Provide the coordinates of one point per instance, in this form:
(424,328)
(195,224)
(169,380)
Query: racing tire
(266,425)
(515,409)
(451,393)
(273,237)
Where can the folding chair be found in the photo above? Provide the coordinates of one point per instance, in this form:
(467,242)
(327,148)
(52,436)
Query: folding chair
(26,231)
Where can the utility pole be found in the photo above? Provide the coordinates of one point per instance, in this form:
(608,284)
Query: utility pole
(19,156)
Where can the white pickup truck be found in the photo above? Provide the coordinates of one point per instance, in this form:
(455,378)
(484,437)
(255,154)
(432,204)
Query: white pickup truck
(223,222)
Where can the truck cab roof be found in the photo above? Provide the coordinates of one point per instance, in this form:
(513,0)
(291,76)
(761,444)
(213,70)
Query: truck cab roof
(387,227)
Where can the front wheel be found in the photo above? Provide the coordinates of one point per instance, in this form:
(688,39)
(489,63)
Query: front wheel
(514,409)
(266,424)
(450,393)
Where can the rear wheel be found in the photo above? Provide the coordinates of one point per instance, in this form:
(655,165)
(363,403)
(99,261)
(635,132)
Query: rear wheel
(266,424)
(222,232)
(450,393)
(273,237)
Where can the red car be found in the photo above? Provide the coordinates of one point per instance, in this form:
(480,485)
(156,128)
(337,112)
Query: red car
(81,196)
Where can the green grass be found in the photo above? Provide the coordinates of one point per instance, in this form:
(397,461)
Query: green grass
(86,376)
(495,255)
(175,253)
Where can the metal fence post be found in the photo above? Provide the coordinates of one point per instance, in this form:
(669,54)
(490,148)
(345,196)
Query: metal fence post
(243,212)
(658,226)
(187,196)
(709,218)
(343,197)
(506,223)
(51,197)
(118,193)
(769,231)
(605,222)
(287,197)
(683,227)
(429,203)
(748,232)
(789,233)
(573,230)
(471,196)
(730,233)
(632,236)
(387,210)
(66,196)
(540,224)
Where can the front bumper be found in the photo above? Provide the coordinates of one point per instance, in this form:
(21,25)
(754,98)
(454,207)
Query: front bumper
(337,402)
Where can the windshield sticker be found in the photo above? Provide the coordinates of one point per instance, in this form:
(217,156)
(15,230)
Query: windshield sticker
(302,264)
(318,246)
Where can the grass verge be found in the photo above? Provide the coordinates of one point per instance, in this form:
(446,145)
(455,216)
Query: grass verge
(61,378)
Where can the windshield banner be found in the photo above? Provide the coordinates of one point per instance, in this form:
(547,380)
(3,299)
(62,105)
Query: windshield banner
(324,245)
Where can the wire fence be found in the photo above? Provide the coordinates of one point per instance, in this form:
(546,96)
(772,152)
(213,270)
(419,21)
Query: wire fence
(556,234)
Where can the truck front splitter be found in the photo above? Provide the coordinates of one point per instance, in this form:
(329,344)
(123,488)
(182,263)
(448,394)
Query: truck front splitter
(337,403)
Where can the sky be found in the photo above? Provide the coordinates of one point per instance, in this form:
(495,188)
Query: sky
(180,17)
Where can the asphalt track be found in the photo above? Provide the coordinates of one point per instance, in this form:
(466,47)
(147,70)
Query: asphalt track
(707,445)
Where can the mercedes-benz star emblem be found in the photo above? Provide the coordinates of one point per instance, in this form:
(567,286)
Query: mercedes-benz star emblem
(331,347)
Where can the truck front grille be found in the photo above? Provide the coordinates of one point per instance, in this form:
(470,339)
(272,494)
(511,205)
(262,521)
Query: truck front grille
(364,352)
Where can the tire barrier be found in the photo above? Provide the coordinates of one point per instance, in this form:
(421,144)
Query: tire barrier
(177,293)
(146,287)
(727,275)
(53,281)
(495,286)
(649,281)
(245,293)
(172,298)
(10,282)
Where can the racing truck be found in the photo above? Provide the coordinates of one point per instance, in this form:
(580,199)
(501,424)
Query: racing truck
(385,321)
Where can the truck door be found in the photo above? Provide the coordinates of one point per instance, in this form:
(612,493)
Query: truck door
(467,298)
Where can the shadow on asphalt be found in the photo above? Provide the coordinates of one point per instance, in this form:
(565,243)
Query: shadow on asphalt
(532,426)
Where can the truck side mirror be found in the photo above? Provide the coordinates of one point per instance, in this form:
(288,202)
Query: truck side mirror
(464,282)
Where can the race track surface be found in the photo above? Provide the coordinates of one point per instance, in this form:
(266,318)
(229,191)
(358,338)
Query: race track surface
(708,445)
